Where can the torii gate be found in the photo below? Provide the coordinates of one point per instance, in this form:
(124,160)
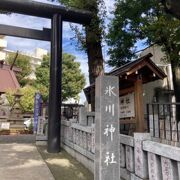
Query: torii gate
(57,14)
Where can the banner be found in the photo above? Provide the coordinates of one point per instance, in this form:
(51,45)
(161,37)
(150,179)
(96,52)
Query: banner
(37,109)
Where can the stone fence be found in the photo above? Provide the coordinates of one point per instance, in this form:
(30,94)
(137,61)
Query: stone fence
(79,141)
(141,158)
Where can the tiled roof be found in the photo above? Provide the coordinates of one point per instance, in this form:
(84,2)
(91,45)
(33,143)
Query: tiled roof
(139,64)
(8,80)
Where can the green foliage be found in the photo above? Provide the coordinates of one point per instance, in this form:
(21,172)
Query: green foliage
(42,72)
(136,20)
(22,62)
(73,80)
(10,97)
(90,36)
(98,10)
(27,99)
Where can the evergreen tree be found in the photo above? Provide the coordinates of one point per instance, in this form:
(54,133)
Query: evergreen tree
(73,81)
(90,36)
(136,20)
(22,62)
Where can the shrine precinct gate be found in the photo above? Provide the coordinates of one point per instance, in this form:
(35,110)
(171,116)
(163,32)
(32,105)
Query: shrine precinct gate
(57,14)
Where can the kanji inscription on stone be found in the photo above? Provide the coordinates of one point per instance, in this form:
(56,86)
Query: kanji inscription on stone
(107,145)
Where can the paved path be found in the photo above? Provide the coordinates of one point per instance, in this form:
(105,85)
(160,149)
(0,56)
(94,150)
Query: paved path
(22,138)
(22,162)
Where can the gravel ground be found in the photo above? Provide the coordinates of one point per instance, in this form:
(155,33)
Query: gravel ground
(65,167)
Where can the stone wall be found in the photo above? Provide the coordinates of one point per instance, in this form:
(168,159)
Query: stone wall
(141,158)
(79,141)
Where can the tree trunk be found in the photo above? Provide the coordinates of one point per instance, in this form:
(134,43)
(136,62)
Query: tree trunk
(95,59)
(172,6)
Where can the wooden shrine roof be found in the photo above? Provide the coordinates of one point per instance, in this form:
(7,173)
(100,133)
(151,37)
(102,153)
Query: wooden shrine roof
(143,68)
(8,78)
(138,65)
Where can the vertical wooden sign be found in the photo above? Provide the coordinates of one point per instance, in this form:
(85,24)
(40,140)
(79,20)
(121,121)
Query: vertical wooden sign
(107,145)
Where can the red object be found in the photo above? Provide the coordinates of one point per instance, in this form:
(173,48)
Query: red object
(8,80)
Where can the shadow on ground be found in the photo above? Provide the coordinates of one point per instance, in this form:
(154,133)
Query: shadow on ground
(65,167)
(22,161)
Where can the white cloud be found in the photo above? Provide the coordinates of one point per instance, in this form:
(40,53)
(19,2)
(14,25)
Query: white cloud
(39,23)
(48,2)
(109,6)
(24,21)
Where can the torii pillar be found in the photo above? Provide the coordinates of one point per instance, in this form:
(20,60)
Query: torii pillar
(54,129)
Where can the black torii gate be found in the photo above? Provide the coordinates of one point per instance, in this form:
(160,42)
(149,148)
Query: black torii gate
(57,14)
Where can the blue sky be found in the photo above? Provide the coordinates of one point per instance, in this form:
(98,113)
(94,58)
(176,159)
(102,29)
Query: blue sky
(69,46)
(26,45)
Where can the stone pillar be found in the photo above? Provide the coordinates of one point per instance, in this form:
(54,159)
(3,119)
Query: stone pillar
(93,139)
(40,127)
(80,138)
(85,140)
(122,156)
(169,169)
(82,116)
(77,136)
(89,142)
(141,164)
(154,167)
(107,164)
(74,135)
(130,158)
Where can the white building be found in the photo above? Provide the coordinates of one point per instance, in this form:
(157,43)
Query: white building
(36,57)
(3,45)
(160,91)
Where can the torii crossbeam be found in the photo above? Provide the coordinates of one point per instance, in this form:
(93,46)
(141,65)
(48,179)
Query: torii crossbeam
(57,14)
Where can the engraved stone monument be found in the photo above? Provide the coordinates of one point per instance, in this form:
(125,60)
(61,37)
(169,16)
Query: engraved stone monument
(107,150)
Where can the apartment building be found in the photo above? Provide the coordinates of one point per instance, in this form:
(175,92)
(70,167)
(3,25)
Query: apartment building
(36,57)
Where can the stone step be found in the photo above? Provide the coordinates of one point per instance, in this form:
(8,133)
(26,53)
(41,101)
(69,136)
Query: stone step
(18,138)
(3,120)
(14,120)
(3,117)
(15,117)
(17,126)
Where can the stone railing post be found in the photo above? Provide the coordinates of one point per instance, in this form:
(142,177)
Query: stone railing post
(107,164)
(154,167)
(141,162)
(82,116)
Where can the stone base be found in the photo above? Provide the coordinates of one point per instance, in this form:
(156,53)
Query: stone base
(88,163)
(41,140)
(125,174)
(27,138)
(41,143)
(134,177)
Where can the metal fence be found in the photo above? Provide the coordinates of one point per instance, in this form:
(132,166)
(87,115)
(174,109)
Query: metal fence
(162,120)
(67,110)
